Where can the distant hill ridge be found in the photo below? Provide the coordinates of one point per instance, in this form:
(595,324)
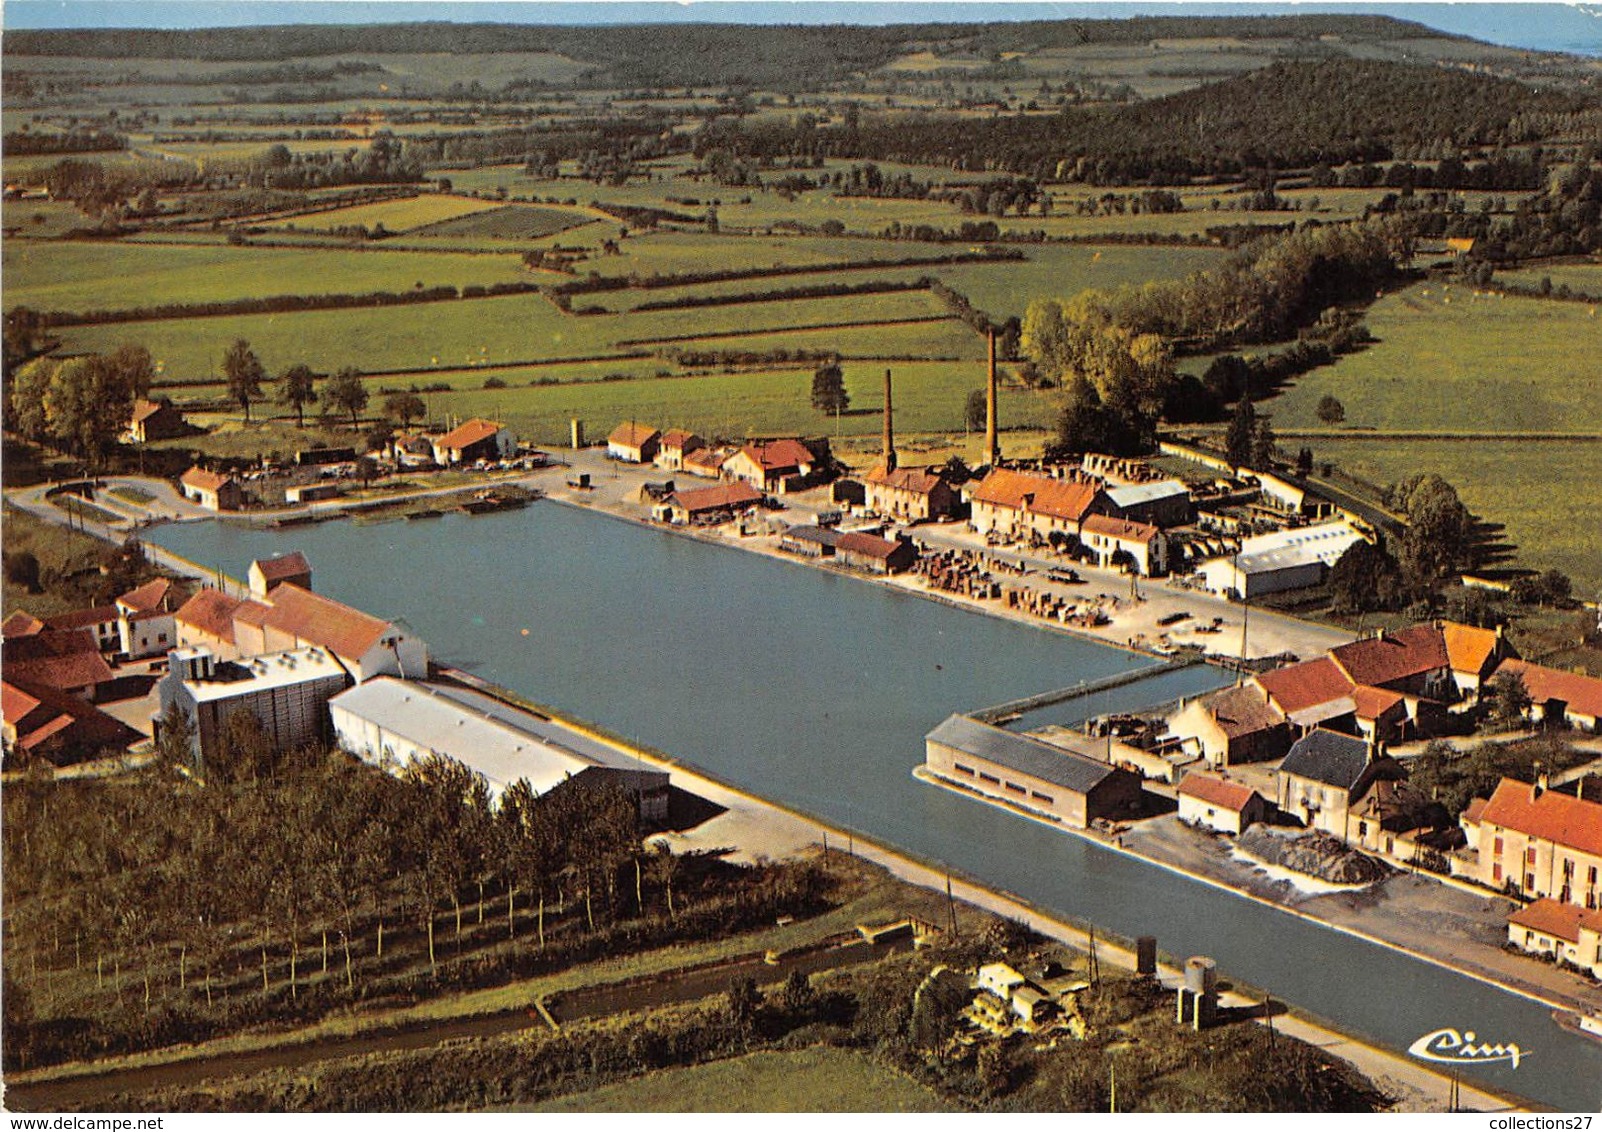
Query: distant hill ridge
(682,54)
(1289,114)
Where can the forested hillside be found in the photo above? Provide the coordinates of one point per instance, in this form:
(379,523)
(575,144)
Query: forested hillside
(1289,115)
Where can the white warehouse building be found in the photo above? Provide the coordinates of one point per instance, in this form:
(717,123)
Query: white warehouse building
(393,722)
(1283,560)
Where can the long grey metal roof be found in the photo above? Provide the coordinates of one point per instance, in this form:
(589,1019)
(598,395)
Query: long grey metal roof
(1129,495)
(1021,753)
(498,740)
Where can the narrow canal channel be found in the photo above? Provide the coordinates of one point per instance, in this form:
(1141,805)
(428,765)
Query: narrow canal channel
(816,690)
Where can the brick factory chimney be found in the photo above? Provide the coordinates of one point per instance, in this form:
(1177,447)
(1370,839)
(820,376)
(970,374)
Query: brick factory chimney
(889,431)
(992,445)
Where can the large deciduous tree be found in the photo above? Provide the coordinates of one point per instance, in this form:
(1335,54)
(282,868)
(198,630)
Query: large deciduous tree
(828,389)
(245,373)
(404,407)
(297,388)
(1439,539)
(346,391)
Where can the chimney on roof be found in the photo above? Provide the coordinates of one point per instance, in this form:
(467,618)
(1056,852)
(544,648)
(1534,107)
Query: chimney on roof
(992,444)
(889,432)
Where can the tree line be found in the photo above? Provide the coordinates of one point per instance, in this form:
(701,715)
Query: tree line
(1287,116)
(157,908)
(1114,349)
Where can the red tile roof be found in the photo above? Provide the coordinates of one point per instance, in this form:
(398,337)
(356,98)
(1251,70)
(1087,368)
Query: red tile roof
(202,480)
(1475,810)
(678,438)
(82,618)
(1392,656)
(1555,918)
(212,612)
(317,620)
(40,714)
(1468,648)
(779,454)
(739,494)
(279,567)
(708,459)
(1374,702)
(1063,499)
(252,613)
(1125,529)
(919,481)
(1217,791)
(21,624)
(1582,694)
(1242,711)
(55,659)
(1551,816)
(871,546)
(1297,687)
(470,432)
(632,434)
(156,594)
(144,410)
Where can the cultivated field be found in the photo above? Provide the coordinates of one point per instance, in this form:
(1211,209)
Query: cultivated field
(396,215)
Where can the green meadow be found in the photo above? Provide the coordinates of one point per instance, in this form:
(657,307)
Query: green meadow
(83,276)
(518,328)
(929,397)
(820,1079)
(1543,491)
(1448,359)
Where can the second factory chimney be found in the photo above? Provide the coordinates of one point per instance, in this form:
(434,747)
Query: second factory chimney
(889,431)
(992,446)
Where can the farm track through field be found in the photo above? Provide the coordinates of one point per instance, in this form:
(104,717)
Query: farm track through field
(755,331)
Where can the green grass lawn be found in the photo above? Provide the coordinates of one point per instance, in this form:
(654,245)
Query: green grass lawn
(1545,492)
(117,276)
(57,548)
(1448,360)
(820,1079)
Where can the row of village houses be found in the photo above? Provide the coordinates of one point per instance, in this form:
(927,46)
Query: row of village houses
(470,442)
(1107,510)
(1326,724)
(310,669)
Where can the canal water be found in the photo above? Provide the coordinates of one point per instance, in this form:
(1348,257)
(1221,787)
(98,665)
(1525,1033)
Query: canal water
(816,690)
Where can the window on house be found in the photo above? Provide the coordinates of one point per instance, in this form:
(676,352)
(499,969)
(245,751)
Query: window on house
(968,770)
(1590,875)
(1046,798)
(1496,847)
(1529,854)
(1496,871)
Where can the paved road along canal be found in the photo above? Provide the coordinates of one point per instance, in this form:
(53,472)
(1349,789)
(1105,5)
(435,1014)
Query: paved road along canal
(816,690)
